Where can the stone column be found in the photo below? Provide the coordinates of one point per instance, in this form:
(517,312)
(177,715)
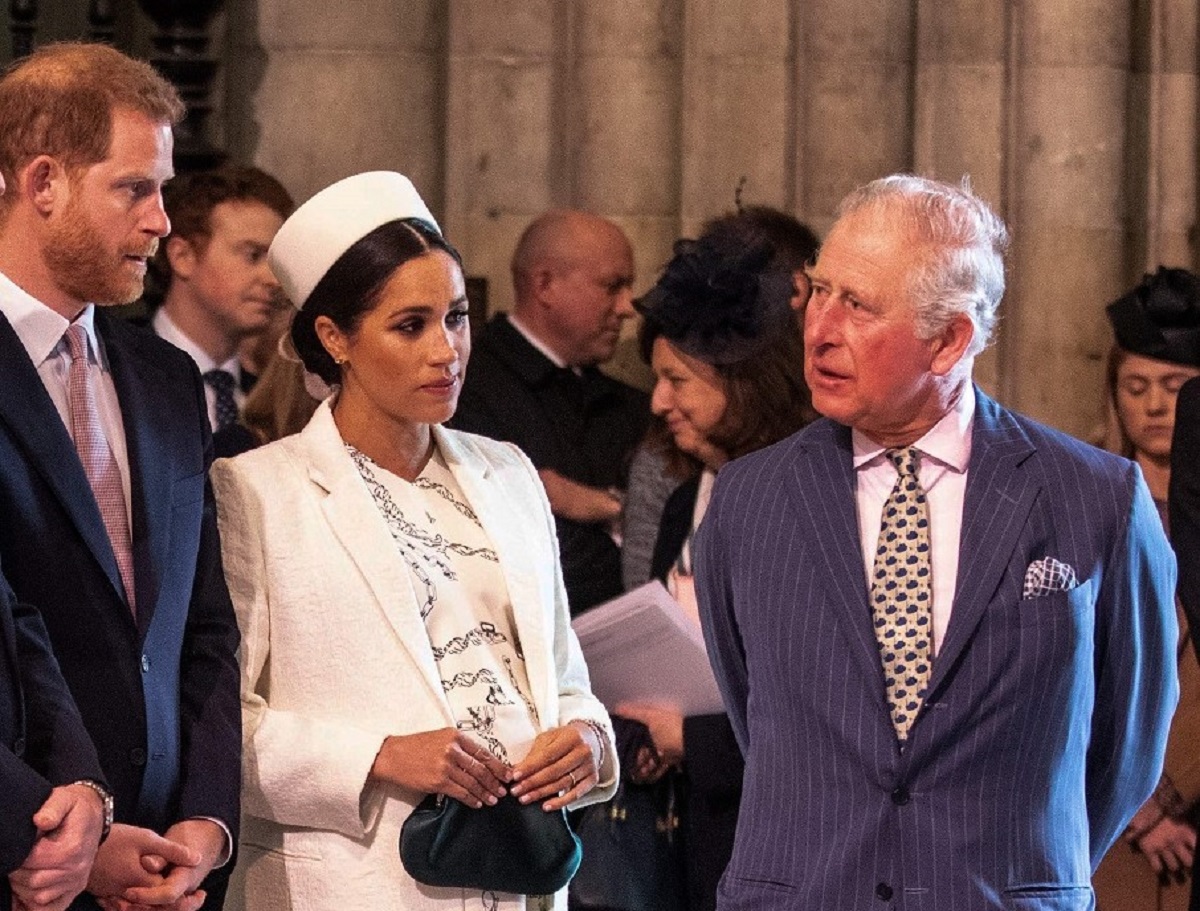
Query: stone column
(621,113)
(1163,113)
(499,153)
(738,116)
(561,104)
(854,118)
(959,122)
(1067,207)
(318,91)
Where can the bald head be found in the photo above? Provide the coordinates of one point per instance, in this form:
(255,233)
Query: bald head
(573,277)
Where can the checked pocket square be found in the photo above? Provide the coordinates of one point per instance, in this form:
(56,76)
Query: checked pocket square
(1047,576)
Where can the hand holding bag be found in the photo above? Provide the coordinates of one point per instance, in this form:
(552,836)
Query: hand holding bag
(511,847)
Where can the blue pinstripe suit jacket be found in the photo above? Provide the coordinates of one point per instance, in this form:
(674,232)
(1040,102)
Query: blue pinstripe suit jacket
(1045,721)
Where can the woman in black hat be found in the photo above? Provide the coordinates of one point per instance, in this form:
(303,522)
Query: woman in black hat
(720,331)
(1157,328)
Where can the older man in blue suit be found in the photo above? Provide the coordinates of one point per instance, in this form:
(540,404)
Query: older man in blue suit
(944,632)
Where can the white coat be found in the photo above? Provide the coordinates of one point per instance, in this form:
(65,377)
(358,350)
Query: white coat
(335,657)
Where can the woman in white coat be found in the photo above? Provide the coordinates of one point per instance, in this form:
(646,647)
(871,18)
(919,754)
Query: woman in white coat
(405,628)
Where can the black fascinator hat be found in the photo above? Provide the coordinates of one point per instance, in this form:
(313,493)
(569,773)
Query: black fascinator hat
(721,297)
(1160,318)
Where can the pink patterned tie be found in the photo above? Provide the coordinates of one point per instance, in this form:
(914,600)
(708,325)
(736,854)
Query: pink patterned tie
(98,462)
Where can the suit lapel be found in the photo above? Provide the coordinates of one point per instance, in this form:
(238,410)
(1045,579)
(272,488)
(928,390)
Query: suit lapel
(26,407)
(822,485)
(146,423)
(363,532)
(1000,492)
(510,540)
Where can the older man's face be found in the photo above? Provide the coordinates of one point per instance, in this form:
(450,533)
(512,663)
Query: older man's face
(592,293)
(863,360)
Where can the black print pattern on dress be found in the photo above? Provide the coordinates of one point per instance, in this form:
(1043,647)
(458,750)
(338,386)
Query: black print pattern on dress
(418,547)
(485,632)
(483,726)
(478,690)
(444,492)
(512,678)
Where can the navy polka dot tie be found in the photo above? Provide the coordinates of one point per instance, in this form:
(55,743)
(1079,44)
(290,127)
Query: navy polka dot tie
(901,593)
(222,382)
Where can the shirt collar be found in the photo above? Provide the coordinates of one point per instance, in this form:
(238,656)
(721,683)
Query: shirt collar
(948,441)
(166,329)
(536,342)
(39,328)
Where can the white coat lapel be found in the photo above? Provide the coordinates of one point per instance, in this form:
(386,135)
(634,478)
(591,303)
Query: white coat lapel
(362,531)
(513,521)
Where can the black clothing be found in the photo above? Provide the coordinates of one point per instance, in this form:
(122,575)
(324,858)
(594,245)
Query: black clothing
(583,426)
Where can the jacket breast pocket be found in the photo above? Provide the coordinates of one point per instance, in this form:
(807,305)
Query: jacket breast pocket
(1049,898)
(746,893)
(1062,608)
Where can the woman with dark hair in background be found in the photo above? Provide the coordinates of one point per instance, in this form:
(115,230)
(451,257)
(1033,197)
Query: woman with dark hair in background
(658,466)
(1157,350)
(404,623)
(722,336)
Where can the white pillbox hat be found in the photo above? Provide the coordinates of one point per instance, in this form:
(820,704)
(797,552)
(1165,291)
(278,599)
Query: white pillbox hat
(330,223)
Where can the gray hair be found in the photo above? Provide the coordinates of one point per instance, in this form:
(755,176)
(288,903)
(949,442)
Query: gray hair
(961,269)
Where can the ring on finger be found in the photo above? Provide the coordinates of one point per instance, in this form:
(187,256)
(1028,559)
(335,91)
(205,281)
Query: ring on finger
(574,783)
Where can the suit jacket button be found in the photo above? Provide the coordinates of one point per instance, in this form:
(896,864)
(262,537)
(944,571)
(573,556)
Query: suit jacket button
(145,664)
(900,796)
(18,747)
(884,892)
(137,756)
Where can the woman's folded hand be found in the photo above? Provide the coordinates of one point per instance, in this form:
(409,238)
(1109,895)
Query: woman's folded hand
(446,761)
(561,766)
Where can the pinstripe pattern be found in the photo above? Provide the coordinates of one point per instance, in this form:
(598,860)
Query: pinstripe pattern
(1044,722)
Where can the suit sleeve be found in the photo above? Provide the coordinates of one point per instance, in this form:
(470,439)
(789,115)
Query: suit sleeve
(210,715)
(1136,681)
(1184,501)
(718,616)
(57,747)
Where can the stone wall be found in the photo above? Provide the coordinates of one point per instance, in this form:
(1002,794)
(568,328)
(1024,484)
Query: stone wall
(1077,119)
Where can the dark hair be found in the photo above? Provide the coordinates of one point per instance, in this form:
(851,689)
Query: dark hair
(351,287)
(724,299)
(766,396)
(795,243)
(189,201)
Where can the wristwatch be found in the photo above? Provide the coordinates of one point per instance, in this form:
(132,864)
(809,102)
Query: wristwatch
(106,799)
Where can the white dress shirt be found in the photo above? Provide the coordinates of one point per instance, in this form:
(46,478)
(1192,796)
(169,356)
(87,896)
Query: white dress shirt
(167,330)
(943,454)
(539,344)
(40,331)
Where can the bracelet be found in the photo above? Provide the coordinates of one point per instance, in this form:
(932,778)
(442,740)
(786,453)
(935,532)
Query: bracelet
(601,738)
(106,803)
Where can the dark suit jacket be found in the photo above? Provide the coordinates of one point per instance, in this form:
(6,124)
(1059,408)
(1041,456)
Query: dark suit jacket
(584,427)
(1044,724)
(712,765)
(1184,500)
(43,743)
(1184,512)
(159,693)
